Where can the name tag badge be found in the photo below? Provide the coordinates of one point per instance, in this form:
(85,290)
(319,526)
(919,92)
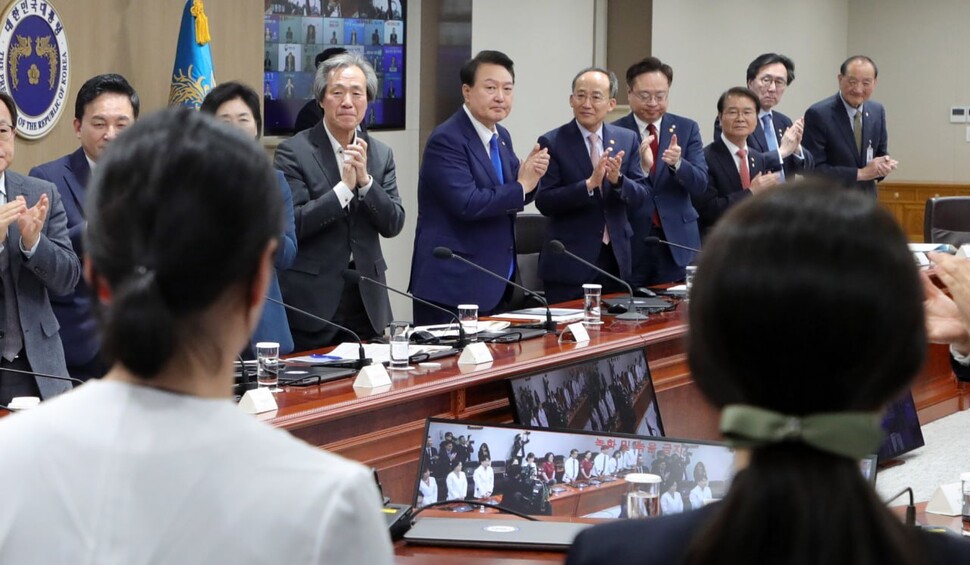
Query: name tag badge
(869,153)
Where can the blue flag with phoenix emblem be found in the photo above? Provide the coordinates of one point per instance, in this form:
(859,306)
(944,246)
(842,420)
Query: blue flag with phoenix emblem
(192,77)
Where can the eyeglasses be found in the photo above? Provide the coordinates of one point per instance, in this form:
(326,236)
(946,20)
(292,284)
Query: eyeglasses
(647,97)
(734,113)
(596,98)
(768,80)
(6,132)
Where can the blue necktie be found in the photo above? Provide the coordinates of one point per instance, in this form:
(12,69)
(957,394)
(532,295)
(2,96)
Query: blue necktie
(497,165)
(496,158)
(771,139)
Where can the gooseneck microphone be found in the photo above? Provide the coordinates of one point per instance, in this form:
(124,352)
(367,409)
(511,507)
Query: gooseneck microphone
(362,361)
(654,240)
(445,253)
(353,276)
(556,246)
(43,375)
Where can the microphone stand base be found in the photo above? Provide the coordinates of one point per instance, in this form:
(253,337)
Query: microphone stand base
(633,315)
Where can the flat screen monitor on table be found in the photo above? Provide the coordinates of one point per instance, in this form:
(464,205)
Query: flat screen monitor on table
(610,393)
(517,479)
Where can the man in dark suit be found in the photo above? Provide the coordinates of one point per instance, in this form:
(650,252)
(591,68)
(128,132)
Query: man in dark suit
(846,133)
(345,199)
(36,260)
(676,170)
(105,106)
(470,188)
(594,179)
(769,75)
(735,170)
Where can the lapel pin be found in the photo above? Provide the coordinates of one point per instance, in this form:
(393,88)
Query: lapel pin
(612,142)
(867,114)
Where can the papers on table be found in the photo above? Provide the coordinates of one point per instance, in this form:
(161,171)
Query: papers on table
(379,352)
(559,315)
(451,330)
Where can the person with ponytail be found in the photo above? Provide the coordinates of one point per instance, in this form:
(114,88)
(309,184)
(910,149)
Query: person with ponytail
(155,463)
(806,319)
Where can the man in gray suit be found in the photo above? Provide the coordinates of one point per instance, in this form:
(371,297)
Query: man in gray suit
(36,258)
(344,198)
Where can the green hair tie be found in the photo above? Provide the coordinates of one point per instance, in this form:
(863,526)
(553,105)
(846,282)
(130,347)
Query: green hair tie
(850,434)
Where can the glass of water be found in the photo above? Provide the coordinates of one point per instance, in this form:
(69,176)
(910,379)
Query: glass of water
(268,365)
(591,304)
(468,316)
(642,495)
(689,280)
(399,345)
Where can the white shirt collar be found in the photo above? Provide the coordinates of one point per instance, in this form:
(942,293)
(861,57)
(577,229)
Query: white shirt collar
(732,147)
(642,125)
(849,108)
(586,133)
(338,150)
(91,163)
(483,132)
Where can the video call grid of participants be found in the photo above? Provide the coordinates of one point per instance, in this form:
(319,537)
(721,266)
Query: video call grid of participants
(598,396)
(692,474)
(296,32)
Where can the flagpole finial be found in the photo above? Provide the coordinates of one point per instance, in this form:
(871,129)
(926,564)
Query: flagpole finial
(201,23)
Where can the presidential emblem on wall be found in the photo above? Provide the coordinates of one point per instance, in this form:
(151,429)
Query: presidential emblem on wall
(35,64)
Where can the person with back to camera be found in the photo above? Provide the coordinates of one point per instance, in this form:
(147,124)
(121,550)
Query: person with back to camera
(154,463)
(238,105)
(801,497)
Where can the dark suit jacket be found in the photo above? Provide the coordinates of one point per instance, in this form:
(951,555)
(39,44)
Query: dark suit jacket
(273,324)
(962,372)
(671,190)
(327,233)
(576,218)
(79,331)
(462,206)
(53,269)
(757,141)
(828,136)
(724,186)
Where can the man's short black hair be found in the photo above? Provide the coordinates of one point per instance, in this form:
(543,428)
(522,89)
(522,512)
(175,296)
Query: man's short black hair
(470,67)
(770,59)
(648,65)
(862,59)
(101,84)
(11,107)
(738,91)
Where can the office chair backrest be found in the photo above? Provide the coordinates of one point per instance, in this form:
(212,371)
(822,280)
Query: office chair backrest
(947,220)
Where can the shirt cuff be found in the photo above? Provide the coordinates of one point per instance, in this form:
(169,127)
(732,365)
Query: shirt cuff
(28,253)
(344,194)
(362,191)
(959,357)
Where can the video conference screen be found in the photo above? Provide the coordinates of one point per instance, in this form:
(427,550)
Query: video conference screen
(295,31)
(563,473)
(903,431)
(614,393)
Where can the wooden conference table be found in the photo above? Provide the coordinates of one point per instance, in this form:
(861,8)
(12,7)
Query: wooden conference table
(384,428)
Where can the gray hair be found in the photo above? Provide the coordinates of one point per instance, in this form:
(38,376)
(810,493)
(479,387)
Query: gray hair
(607,72)
(339,62)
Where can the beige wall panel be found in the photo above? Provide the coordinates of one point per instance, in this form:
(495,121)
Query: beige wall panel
(137,38)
